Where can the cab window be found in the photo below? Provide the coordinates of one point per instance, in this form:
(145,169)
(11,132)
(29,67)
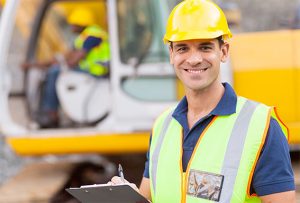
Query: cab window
(140,31)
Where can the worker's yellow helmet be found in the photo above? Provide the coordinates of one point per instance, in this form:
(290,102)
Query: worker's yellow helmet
(196,19)
(82,17)
(2,2)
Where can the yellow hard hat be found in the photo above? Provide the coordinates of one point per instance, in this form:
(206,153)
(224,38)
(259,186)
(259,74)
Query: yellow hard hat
(196,19)
(82,17)
(2,2)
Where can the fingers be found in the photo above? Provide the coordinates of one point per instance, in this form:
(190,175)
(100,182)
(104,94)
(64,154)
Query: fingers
(25,65)
(118,180)
(110,183)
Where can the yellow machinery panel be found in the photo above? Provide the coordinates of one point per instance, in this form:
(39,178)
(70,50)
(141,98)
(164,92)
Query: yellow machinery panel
(80,143)
(266,69)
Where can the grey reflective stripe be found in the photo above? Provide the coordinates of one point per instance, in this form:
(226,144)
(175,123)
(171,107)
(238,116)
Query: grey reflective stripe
(154,158)
(234,149)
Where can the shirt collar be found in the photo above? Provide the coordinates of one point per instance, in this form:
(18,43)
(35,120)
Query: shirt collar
(226,106)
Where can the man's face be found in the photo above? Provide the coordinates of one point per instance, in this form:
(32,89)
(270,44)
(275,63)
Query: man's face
(77,29)
(197,62)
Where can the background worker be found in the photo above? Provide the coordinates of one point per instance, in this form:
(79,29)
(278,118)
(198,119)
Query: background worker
(238,144)
(90,54)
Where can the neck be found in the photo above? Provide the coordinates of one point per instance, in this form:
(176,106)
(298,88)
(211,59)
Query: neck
(201,103)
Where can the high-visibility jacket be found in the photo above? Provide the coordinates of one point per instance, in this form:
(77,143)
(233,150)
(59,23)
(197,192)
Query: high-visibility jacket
(97,58)
(223,160)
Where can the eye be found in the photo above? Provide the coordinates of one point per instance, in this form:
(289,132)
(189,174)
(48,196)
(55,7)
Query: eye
(181,49)
(205,48)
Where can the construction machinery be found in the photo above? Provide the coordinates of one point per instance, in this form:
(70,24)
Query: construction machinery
(111,117)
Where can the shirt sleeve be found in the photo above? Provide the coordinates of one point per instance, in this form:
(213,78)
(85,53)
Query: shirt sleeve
(146,171)
(273,172)
(91,42)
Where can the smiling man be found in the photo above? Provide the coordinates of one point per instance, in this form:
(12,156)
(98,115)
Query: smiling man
(214,145)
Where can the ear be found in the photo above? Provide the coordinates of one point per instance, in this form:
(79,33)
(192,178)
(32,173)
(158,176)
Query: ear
(224,52)
(171,55)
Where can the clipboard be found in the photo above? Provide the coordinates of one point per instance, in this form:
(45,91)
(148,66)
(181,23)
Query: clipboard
(107,194)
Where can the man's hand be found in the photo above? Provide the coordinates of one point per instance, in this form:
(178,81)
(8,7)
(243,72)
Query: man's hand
(26,65)
(116,180)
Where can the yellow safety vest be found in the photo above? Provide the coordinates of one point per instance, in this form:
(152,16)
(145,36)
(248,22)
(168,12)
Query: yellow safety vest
(222,163)
(97,56)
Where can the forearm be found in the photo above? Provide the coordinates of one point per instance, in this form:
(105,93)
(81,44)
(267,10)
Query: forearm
(44,64)
(38,64)
(145,188)
(73,58)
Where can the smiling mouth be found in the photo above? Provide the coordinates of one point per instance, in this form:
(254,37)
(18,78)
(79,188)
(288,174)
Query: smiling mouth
(196,71)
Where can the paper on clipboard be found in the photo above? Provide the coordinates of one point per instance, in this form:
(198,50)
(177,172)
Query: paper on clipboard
(107,194)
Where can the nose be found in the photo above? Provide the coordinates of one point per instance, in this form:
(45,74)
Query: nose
(194,58)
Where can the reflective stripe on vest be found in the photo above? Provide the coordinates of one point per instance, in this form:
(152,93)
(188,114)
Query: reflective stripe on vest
(96,60)
(158,147)
(229,146)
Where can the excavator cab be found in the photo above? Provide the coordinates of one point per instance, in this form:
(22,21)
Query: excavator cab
(83,99)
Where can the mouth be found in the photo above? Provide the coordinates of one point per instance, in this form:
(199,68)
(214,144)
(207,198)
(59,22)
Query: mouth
(196,71)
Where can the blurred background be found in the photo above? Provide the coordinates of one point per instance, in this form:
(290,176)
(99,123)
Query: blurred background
(267,15)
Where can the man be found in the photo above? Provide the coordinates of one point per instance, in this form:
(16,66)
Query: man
(90,55)
(237,147)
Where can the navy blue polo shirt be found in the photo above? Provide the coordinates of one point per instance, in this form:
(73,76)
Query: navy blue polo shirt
(273,172)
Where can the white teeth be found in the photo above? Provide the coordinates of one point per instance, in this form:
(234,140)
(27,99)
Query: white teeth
(195,71)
